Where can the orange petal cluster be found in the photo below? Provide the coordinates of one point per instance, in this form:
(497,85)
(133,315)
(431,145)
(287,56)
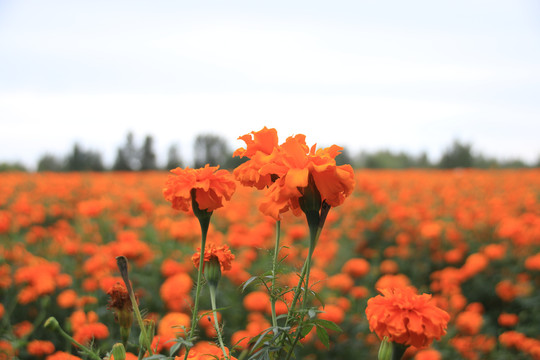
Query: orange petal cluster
(260,146)
(209,184)
(40,347)
(286,171)
(86,326)
(221,252)
(406,317)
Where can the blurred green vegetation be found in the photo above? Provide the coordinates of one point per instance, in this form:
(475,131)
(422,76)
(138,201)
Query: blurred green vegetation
(213,149)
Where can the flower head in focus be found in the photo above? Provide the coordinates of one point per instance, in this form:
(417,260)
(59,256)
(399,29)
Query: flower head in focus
(260,149)
(208,186)
(293,173)
(406,317)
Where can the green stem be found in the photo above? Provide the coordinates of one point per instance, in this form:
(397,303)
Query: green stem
(52,324)
(216,323)
(296,293)
(274,265)
(148,344)
(304,300)
(122,264)
(205,223)
(313,220)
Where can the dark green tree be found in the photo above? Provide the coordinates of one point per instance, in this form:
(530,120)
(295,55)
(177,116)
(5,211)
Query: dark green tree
(211,149)
(344,158)
(49,162)
(457,155)
(76,161)
(421,161)
(9,166)
(83,160)
(148,156)
(127,157)
(173,158)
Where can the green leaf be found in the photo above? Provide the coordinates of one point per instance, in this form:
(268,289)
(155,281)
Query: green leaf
(175,348)
(323,336)
(312,313)
(306,329)
(249,281)
(318,297)
(330,325)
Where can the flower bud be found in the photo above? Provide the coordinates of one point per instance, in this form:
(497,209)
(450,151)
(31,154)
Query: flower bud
(52,324)
(212,271)
(149,327)
(118,352)
(385,350)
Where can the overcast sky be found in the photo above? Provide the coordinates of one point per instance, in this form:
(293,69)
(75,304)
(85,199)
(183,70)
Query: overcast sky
(367,75)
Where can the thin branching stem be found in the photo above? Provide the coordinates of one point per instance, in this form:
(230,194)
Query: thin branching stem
(216,323)
(274,265)
(197,287)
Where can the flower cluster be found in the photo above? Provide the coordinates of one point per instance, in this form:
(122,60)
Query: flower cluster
(291,171)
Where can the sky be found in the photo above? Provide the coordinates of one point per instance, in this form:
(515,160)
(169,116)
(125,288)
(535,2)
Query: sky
(367,75)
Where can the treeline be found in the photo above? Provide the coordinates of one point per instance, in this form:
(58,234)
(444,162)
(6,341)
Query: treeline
(208,149)
(214,150)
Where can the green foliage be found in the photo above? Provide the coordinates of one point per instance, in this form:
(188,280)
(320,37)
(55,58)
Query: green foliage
(148,156)
(16,166)
(49,162)
(173,158)
(458,155)
(127,157)
(211,149)
(386,159)
(214,150)
(81,160)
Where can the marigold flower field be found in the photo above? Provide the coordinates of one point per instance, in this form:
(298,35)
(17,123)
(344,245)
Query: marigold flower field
(469,238)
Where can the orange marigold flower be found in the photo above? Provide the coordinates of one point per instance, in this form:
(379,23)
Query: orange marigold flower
(222,253)
(23,328)
(300,170)
(506,290)
(6,350)
(171,326)
(341,282)
(389,266)
(40,347)
(359,292)
(206,351)
(208,185)
(406,317)
(257,301)
(62,355)
(332,313)
(290,170)
(507,320)
(511,338)
(86,327)
(175,291)
(356,267)
(428,354)
(260,149)
(532,263)
(469,322)
(390,281)
(2,310)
